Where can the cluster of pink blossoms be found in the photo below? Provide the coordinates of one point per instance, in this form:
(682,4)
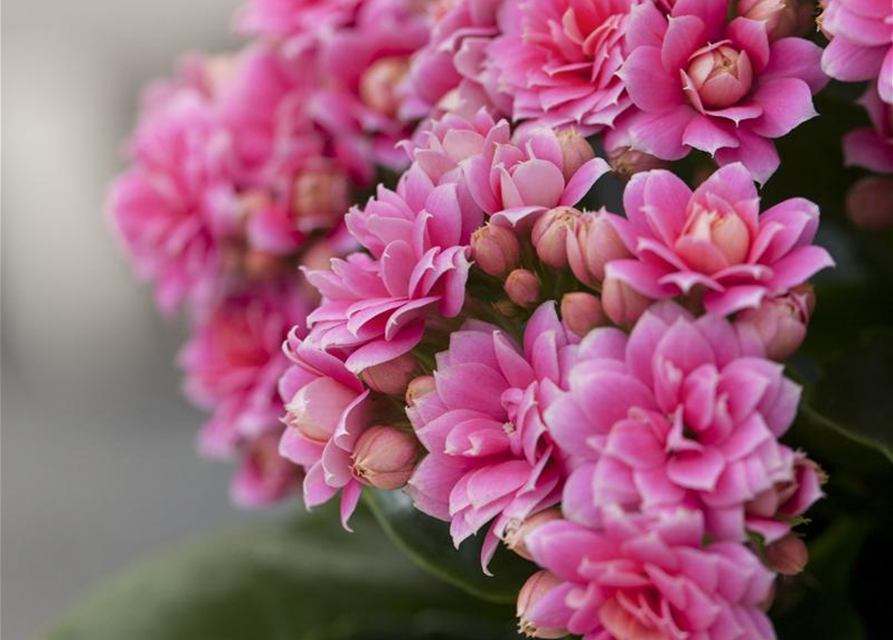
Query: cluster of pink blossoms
(603,392)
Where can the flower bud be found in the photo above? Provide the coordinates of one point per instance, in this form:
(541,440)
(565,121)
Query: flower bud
(582,312)
(523,288)
(787,556)
(623,304)
(321,192)
(391,377)
(418,387)
(550,233)
(869,203)
(379,84)
(781,322)
(317,407)
(627,162)
(537,585)
(516,532)
(384,457)
(575,151)
(495,250)
(600,244)
(783,18)
(721,76)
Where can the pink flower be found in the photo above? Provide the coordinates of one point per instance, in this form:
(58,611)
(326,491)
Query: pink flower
(326,411)
(490,456)
(559,60)
(680,412)
(374,308)
(714,240)
(872,148)
(264,477)
(642,577)
(698,83)
(861,47)
(290,18)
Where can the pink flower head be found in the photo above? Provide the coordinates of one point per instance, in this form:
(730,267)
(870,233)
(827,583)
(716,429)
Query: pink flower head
(641,577)
(715,240)
(872,148)
(304,19)
(264,477)
(490,456)
(233,362)
(418,236)
(861,47)
(699,83)
(680,412)
(559,60)
(326,410)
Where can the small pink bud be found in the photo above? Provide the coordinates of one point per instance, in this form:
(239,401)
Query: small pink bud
(418,387)
(600,244)
(537,585)
(627,162)
(783,18)
(787,556)
(781,322)
(321,192)
(516,532)
(384,457)
(623,304)
(379,84)
(550,233)
(523,288)
(575,151)
(317,407)
(721,76)
(391,377)
(495,250)
(869,203)
(582,312)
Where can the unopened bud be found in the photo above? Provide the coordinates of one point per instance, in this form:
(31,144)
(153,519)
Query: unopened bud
(623,304)
(787,556)
(523,288)
(418,387)
(783,18)
(627,162)
(582,312)
(869,203)
(321,192)
(550,234)
(391,377)
(384,457)
(316,408)
(600,244)
(781,322)
(516,532)
(575,151)
(378,85)
(537,586)
(495,250)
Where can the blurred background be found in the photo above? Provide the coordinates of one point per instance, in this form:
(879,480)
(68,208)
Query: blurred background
(98,463)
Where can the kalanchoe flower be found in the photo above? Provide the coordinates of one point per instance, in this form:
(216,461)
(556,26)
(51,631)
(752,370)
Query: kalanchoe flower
(680,412)
(391,377)
(326,411)
(264,477)
(581,311)
(523,288)
(535,589)
(714,240)
(788,556)
(781,322)
(384,457)
(559,60)
(641,577)
(861,47)
(872,148)
(699,83)
(495,250)
(490,457)
(293,18)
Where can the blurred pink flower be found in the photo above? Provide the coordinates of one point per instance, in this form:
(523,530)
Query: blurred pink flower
(699,83)
(715,240)
(489,453)
(872,148)
(861,47)
(680,412)
(648,577)
(264,477)
(295,18)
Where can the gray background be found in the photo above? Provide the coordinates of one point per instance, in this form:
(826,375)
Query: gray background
(98,463)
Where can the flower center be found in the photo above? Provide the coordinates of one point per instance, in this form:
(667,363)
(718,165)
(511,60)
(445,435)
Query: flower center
(722,76)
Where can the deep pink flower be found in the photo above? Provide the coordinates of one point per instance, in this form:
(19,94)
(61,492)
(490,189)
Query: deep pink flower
(326,410)
(861,47)
(682,411)
(295,18)
(714,240)
(642,578)
(872,148)
(490,457)
(559,59)
(699,83)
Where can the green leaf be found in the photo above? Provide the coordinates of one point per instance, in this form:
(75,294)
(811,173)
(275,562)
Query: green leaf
(854,395)
(427,542)
(304,580)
